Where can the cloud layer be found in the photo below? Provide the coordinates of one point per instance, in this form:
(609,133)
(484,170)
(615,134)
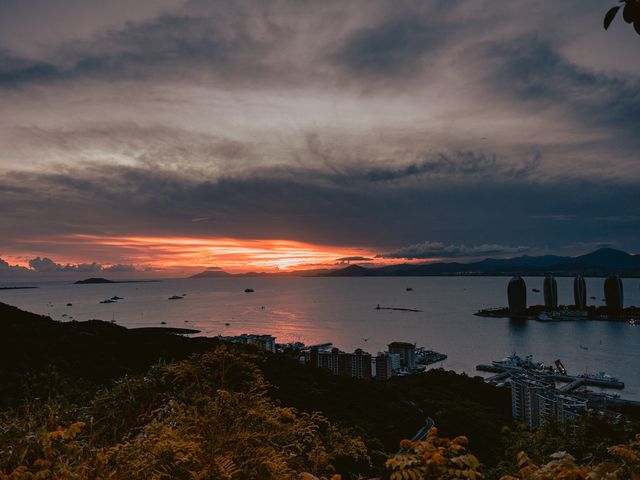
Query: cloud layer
(45,267)
(438,250)
(456,128)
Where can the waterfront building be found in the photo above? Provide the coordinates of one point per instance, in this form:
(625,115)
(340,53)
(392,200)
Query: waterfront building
(383,366)
(569,408)
(395,362)
(517,296)
(613,294)
(526,392)
(550,290)
(559,407)
(579,292)
(534,400)
(267,342)
(407,353)
(327,359)
(354,365)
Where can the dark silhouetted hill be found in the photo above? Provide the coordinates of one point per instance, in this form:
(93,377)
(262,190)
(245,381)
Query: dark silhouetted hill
(211,274)
(92,352)
(354,271)
(602,262)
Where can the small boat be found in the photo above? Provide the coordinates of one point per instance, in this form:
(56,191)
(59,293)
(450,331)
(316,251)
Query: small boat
(409,289)
(544,317)
(634,322)
(108,300)
(601,376)
(115,297)
(69,304)
(535,290)
(175,297)
(249,290)
(163,323)
(227,324)
(593,298)
(583,347)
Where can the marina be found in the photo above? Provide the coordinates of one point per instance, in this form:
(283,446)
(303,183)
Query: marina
(557,373)
(296,310)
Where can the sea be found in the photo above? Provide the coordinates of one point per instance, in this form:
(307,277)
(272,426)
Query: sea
(342,311)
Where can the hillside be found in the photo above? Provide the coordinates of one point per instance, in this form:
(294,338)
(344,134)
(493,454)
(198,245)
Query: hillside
(602,262)
(93,399)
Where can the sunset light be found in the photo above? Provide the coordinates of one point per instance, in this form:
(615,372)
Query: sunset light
(186,253)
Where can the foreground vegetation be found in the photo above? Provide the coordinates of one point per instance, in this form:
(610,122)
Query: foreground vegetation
(93,400)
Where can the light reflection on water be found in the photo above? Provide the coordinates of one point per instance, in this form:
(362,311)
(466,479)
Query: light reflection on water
(342,311)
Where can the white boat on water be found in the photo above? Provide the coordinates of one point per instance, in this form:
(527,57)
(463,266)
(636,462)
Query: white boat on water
(545,317)
(515,361)
(600,376)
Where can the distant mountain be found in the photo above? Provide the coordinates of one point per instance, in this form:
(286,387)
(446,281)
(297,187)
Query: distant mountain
(355,271)
(211,274)
(602,262)
(293,273)
(610,258)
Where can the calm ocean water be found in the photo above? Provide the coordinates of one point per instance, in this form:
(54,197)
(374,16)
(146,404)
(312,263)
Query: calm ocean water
(342,311)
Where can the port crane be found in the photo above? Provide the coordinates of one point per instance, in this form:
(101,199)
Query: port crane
(560,367)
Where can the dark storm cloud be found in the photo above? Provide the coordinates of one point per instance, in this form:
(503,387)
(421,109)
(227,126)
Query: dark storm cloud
(7,269)
(532,71)
(459,124)
(46,265)
(16,71)
(135,201)
(43,266)
(169,45)
(346,260)
(390,48)
(441,250)
(458,164)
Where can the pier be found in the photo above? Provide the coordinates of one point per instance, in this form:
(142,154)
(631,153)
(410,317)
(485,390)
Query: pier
(399,309)
(573,382)
(577,382)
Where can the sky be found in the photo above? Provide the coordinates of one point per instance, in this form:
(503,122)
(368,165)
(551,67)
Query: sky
(163,137)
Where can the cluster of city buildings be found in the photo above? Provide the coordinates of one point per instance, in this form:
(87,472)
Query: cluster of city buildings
(535,400)
(399,359)
(517,294)
(267,342)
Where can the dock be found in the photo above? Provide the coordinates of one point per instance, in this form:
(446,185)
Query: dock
(573,382)
(399,309)
(577,382)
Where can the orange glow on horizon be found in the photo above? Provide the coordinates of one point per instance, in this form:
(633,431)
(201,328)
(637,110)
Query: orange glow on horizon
(196,253)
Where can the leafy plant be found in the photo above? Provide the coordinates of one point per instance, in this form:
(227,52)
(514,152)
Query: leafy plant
(623,464)
(205,417)
(630,14)
(434,458)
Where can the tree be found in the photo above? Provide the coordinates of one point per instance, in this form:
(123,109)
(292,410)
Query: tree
(630,14)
